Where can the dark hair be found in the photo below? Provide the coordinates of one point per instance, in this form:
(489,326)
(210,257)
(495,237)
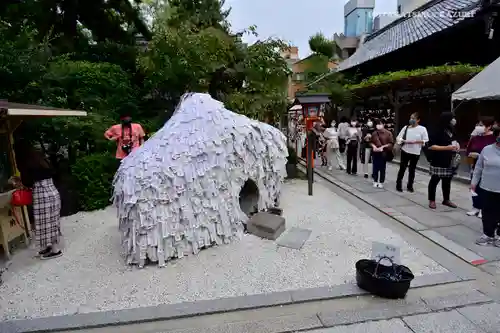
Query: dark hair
(416,115)
(487,121)
(445,119)
(496,130)
(379,121)
(343,119)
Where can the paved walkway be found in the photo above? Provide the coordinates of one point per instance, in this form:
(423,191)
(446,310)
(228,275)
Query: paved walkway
(450,228)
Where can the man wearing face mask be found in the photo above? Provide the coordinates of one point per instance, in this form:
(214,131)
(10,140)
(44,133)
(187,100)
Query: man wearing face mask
(128,136)
(366,148)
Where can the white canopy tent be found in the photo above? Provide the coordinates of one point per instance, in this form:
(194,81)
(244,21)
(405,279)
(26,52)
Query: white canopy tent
(483,86)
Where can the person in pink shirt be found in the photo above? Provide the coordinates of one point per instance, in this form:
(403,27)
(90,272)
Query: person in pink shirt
(128,136)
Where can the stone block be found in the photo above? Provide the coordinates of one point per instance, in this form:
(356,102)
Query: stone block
(485,316)
(294,238)
(456,300)
(445,322)
(266,225)
(384,326)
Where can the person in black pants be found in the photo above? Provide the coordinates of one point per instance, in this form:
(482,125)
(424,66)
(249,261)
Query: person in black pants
(411,139)
(443,152)
(353,140)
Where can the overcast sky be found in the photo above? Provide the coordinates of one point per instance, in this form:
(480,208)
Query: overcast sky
(295,22)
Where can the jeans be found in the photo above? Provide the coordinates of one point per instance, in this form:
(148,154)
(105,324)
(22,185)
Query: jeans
(445,186)
(491,213)
(379,166)
(352,158)
(410,161)
(366,158)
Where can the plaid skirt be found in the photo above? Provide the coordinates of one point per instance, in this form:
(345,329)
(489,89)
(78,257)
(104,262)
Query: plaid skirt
(441,172)
(47,213)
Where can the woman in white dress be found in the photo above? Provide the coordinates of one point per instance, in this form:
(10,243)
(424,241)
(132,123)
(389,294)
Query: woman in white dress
(332,147)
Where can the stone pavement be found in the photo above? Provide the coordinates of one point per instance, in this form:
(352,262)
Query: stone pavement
(449,228)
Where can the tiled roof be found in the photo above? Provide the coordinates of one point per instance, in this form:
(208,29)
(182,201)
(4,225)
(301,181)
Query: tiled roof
(431,18)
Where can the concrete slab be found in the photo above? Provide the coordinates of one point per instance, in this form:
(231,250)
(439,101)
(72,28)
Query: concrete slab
(381,311)
(411,223)
(266,225)
(442,322)
(385,326)
(455,300)
(485,316)
(492,268)
(392,200)
(426,217)
(466,237)
(453,247)
(294,238)
(272,325)
(366,188)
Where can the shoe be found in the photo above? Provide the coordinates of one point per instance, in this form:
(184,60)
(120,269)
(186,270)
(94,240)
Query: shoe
(480,214)
(380,185)
(432,204)
(51,255)
(399,188)
(366,176)
(450,204)
(330,168)
(375,184)
(354,173)
(410,189)
(44,252)
(485,241)
(473,212)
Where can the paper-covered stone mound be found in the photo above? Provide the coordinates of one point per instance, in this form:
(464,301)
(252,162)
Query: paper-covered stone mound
(180,191)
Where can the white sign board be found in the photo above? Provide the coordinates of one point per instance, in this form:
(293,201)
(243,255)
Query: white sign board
(381,250)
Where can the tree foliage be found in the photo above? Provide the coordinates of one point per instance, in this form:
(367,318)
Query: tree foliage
(321,45)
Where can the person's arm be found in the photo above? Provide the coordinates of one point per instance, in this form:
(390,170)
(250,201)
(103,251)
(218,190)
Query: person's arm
(110,134)
(399,138)
(390,142)
(478,172)
(142,135)
(425,137)
(435,143)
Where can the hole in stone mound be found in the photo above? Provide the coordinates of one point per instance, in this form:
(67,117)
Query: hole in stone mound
(249,197)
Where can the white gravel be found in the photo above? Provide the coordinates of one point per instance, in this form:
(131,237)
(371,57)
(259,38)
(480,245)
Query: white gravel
(91,276)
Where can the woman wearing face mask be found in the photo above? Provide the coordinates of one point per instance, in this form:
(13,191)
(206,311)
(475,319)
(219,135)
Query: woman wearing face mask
(483,137)
(352,143)
(366,147)
(382,142)
(342,129)
(487,172)
(332,147)
(411,138)
(444,152)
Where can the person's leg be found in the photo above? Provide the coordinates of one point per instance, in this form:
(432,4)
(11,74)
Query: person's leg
(413,161)
(431,190)
(376,168)
(402,168)
(354,168)
(476,202)
(340,160)
(349,159)
(490,216)
(446,188)
(383,165)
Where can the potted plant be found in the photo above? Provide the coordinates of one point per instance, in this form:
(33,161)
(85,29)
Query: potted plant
(291,165)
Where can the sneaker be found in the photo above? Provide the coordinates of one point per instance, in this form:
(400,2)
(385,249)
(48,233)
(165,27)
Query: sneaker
(497,242)
(473,212)
(410,189)
(330,168)
(485,241)
(375,184)
(44,252)
(380,185)
(366,176)
(51,255)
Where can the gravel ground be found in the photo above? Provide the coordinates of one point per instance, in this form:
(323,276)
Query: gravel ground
(91,276)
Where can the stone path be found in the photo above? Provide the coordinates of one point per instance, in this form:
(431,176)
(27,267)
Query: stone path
(449,228)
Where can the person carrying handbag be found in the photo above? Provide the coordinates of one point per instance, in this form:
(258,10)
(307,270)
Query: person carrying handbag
(410,140)
(382,144)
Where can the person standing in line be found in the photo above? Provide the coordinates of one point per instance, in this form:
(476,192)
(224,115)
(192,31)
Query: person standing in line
(487,172)
(332,147)
(342,130)
(352,145)
(382,143)
(482,136)
(411,139)
(444,154)
(366,147)
(128,135)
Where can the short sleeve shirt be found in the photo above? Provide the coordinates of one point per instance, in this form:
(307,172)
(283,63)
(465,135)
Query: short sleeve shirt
(134,137)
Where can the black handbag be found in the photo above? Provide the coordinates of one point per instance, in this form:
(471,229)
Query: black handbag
(390,282)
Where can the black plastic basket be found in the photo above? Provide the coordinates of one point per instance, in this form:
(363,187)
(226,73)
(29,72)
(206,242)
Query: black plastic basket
(385,281)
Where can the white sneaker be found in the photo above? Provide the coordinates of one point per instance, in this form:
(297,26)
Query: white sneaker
(480,214)
(375,184)
(330,168)
(380,185)
(473,212)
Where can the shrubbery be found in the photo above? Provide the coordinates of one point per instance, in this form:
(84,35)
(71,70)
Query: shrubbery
(93,176)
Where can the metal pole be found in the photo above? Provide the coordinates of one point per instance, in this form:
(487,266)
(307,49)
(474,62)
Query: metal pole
(310,161)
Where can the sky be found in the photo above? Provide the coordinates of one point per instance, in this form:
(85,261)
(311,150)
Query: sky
(296,22)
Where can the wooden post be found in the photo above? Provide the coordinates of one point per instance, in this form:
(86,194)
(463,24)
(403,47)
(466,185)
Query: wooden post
(311,137)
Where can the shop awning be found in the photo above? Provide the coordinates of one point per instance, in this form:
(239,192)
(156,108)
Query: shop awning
(28,110)
(483,86)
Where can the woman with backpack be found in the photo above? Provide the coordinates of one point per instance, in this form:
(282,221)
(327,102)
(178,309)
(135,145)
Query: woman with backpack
(411,139)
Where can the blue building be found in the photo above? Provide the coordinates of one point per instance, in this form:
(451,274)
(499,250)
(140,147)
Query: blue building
(358,17)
